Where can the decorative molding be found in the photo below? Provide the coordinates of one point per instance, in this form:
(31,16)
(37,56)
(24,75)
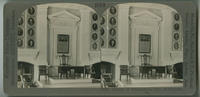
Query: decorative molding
(64,14)
(147,15)
(28,52)
(31,55)
(94,57)
(110,55)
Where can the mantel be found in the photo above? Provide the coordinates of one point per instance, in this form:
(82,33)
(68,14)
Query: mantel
(108,55)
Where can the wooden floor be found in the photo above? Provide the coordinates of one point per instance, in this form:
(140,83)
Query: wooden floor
(87,83)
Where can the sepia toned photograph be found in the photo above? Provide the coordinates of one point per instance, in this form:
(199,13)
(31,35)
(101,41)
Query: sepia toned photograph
(129,45)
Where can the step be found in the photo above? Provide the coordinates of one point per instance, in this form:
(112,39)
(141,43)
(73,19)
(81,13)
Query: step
(151,81)
(69,81)
(88,85)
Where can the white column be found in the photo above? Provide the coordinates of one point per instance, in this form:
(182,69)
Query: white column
(123,34)
(84,38)
(123,39)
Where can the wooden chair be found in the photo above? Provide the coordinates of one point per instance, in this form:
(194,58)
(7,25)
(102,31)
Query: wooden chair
(87,71)
(43,70)
(63,69)
(78,70)
(106,80)
(160,71)
(145,61)
(124,70)
(144,71)
(64,59)
(169,70)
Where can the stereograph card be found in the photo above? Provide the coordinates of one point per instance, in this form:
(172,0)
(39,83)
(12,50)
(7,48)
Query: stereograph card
(100,48)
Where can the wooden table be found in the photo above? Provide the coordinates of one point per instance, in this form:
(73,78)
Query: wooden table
(66,69)
(149,68)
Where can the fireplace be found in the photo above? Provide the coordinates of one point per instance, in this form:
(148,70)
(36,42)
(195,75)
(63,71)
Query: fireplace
(103,68)
(25,73)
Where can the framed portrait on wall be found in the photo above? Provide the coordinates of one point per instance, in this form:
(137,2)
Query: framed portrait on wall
(144,43)
(63,43)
